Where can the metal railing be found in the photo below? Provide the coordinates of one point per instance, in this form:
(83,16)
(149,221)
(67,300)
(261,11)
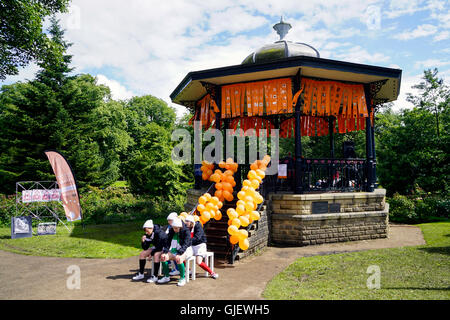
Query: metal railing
(334,174)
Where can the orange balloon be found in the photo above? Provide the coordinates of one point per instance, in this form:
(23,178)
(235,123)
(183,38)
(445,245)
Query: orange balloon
(229,160)
(234,239)
(253,166)
(244,244)
(236,222)
(255,215)
(260,173)
(240,209)
(249,206)
(205,176)
(254,183)
(207,196)
(241,195)
(218,193)
(230,197)
(214,200)
(232,230)
(240,202)
(222,164)
(202,200)
(206,215)
(242,234)
(226,194)
(201,208)
(218,215)
(227,186)
(244,221)
(229,172)
(219,204)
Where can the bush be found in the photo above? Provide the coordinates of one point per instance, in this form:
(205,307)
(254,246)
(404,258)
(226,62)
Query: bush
(420,209)
(402,209)
(110,205)
(113,205)
(7,209)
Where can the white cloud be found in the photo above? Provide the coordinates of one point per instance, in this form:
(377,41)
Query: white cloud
(431,63)
(421,31)
(118,92)
(405,87)
(360,55)
(444,35)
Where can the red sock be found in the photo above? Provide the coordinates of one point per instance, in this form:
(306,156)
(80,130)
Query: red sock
(205,267)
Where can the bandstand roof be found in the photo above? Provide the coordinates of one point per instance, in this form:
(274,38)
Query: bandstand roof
(287,63)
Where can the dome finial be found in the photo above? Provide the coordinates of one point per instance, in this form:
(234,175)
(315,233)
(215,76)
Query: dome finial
(282,28)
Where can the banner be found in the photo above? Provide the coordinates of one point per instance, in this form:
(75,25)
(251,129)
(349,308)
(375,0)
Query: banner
(40,195)
(66,181)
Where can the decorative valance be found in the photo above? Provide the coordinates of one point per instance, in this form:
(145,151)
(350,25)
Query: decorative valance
(256,123)
(332,98)
(205,112)
(257,98)
(319,126)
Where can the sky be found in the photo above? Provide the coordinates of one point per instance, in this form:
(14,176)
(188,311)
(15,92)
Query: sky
(139,47)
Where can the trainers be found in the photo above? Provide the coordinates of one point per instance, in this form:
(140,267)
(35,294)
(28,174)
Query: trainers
(139,276)
(174,273)
(214,276)
(152,279)
(181,282)
(164,280)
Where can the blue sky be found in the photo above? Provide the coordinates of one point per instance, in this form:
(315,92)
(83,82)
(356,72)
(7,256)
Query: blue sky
(146,47)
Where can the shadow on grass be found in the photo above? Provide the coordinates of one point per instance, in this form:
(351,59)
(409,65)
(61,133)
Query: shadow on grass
(439,250)
(416,288)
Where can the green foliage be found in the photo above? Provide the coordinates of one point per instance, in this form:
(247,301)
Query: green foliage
(402,209)
(412,147)
(71,114)
(113,205)
(21,37)
(418,208)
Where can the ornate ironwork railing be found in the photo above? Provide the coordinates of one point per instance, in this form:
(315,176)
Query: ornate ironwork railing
(334,174)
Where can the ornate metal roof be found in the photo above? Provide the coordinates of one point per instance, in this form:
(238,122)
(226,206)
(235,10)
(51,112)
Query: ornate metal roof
(281,48)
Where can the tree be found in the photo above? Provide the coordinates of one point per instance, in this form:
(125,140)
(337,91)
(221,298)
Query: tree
(434,95)
(72,114)
(413,144)
(21,36)
(147,164)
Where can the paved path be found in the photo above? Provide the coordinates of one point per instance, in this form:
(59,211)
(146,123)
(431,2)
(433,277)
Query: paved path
(30,277)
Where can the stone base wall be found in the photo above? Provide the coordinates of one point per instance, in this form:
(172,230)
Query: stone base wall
(300,204)
(302,230)
(289,220)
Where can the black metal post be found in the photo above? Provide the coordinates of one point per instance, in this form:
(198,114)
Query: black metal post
(298,140)
(373,150)
(331,131)
(370,168)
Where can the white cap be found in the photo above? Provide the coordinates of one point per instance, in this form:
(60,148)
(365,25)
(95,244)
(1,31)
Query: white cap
(172,215)
(177,223)
(189,218)
(148,224)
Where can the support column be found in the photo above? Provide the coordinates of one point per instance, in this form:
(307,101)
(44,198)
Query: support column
(370,165)
(298,140)
(331,132)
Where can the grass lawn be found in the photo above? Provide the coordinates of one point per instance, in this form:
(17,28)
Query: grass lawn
(94,241)
(420,272)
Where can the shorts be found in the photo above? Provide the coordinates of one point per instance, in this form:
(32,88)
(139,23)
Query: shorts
(200,249)
(187,254)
